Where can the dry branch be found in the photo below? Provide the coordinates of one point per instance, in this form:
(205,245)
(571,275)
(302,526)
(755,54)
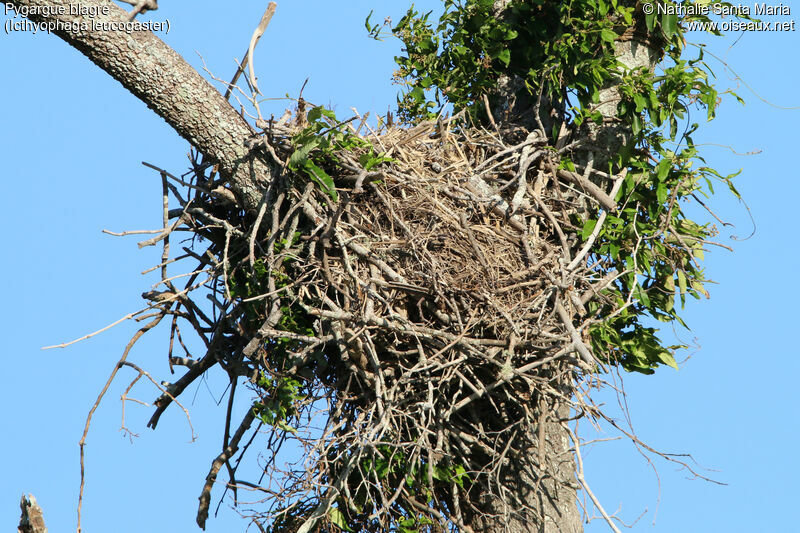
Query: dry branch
(32,519)
(219,461)
(589,188)
(162,79)
(427,300)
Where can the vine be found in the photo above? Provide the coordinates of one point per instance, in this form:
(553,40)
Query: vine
(564,53)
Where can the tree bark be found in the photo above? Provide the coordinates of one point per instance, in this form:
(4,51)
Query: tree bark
(167,84)
(541,474)
(32,519)
(545,499)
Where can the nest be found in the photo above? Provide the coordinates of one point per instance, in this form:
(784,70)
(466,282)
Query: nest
(433,318)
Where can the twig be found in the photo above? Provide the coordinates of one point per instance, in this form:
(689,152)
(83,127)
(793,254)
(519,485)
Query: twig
(598,226)
(489,113)
(583,350)
(90,335)
(179,386)
(248,56)
(221,459)
(140,6)
(582,480)
(589,188)
(82,443)
(132,232)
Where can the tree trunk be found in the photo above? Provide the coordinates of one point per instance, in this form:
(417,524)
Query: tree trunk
(544,471)
(542,474)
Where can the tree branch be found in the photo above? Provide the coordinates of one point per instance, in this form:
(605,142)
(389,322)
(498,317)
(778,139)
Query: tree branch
(605,201)
(162,79)
(32,520)
(221,459)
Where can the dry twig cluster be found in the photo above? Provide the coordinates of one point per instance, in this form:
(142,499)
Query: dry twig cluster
(443,290)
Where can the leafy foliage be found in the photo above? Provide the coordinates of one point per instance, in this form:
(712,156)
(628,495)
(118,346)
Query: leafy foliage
(564,53)
(317,144)
(278,405)
(280,393)
(551,46)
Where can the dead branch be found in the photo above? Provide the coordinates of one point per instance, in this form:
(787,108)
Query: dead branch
(32,519)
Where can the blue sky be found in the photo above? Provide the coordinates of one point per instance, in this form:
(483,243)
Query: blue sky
(72,141)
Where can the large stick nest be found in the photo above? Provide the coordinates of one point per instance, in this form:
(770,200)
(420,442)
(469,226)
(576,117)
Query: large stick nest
(434,317)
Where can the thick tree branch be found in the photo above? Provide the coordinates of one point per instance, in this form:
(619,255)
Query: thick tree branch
(589,188)
(163,80)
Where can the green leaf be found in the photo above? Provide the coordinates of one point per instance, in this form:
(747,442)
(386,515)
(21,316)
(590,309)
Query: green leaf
(641,295)
(505,56)
(682,281)
(640,101)
(299,157)
(321,178)
(460,475)
(382,468)
(286,427)
(731,187)
(650,19)
(637,124)
(608,35)
(666,357)
(698,286)
(407,525)
(661,193)
(588,228)
(669,25)
(663,168)
(417,94)
(698,253)
(337,519)
(315,114)
(366,22)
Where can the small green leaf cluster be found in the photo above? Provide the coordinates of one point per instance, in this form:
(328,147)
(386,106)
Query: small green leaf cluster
(280,394)
(247,282)
(279,401)
(316,147)
(244,284)
(390,466)
(552,46)
(389,460)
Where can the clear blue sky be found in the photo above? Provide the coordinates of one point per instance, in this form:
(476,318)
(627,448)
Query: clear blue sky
(71,143)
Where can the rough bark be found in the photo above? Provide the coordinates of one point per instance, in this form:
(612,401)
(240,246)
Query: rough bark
(549,490)
(541,476)
(634,50)
(32,519)
(167,84)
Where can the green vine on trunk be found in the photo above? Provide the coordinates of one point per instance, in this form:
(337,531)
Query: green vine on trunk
(564,53)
